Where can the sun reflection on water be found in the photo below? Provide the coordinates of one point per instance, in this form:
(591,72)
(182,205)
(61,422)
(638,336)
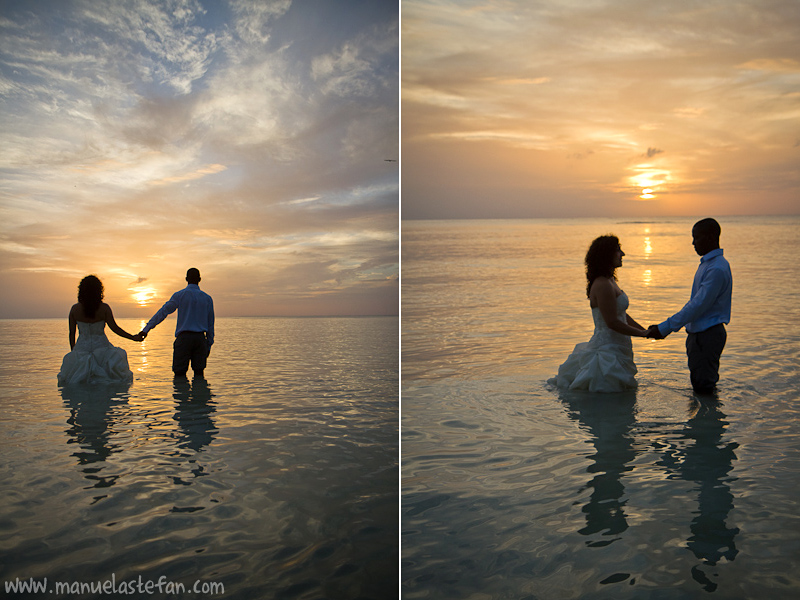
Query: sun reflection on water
(143,351)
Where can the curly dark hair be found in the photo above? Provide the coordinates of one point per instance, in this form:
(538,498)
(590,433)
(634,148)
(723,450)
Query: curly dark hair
(600,259)
(90,294)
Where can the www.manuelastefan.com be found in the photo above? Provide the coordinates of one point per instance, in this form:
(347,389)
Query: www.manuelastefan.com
(111,586)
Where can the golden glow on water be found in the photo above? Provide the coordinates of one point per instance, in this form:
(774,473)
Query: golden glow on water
(648,246)
(647,277)
(144,362)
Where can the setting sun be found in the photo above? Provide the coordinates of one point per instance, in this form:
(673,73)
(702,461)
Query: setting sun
(649,179)
(143,296)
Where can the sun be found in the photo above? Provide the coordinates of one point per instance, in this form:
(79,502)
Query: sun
(649,179)
(143,296)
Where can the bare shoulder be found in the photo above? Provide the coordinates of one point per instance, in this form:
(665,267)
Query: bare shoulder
(601,285)
(602,288)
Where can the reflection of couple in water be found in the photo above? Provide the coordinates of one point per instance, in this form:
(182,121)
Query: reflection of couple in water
(696,451)
(605,362)
(96,410)
(93,359)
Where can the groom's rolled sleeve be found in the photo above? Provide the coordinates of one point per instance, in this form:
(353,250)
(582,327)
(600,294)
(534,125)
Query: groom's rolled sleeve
(703,299)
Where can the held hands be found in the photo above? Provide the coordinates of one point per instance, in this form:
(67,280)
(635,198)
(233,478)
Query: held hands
(139,337)
(654,333)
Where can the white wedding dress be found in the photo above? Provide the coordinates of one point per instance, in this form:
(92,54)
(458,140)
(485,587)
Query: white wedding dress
(605,362)
(94,359)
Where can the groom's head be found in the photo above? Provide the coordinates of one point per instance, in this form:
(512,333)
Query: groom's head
(705,236)
(193,275)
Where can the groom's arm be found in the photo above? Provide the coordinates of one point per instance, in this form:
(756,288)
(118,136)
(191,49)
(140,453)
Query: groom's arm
(712,284)
(170,306)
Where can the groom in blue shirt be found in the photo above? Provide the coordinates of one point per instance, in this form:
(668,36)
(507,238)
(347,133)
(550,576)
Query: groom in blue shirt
(194,331)
(707,311)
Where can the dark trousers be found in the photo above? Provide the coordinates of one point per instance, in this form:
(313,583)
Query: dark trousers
(704,349)
(189,346)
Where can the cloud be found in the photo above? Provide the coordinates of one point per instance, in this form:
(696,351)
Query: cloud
(651,152)
(779,65)
(197,174)
(167,47)
(253,18)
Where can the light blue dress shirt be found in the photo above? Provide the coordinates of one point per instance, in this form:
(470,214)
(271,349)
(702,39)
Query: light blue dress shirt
(710,303)
(195,312)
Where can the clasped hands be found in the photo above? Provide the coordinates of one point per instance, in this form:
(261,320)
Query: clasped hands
(654,333)
(139,337)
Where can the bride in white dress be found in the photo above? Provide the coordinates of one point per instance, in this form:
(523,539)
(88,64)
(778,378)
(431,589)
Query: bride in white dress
(605,362)
(93,359)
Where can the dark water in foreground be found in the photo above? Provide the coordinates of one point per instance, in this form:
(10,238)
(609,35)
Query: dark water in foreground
(276,476)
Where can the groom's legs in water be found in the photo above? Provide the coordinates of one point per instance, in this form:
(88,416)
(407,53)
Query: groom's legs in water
(704,350)
(189,346)
(200,352)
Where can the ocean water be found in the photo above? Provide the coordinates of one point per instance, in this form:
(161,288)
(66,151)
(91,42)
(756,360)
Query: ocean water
(511,489)
(275,476)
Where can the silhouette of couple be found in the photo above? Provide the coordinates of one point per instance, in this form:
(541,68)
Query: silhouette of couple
(605,362)
(93,359)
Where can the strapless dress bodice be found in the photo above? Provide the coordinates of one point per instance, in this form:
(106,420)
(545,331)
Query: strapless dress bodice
(605,335)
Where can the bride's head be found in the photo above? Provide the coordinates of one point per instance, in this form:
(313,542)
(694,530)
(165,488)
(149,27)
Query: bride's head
(90,294)
(602,259)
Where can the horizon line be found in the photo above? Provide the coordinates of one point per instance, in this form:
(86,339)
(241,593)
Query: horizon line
(511,218)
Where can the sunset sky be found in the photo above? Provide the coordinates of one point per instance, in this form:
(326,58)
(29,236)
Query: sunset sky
(548,108)
(249,139)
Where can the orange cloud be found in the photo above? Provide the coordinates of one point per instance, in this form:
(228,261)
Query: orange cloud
(198,174)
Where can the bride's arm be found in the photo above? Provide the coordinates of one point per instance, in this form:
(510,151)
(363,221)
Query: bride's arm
(633,323)
(607,303)
(112,325)
(73,325)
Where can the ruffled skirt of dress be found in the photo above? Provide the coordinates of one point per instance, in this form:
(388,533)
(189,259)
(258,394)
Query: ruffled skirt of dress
(591,368)
(103,365)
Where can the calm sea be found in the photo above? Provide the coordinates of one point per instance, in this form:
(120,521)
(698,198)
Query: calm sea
(276,476)
(515,490)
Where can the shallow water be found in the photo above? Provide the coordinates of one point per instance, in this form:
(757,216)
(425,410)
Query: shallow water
(512,489)
(275,476)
